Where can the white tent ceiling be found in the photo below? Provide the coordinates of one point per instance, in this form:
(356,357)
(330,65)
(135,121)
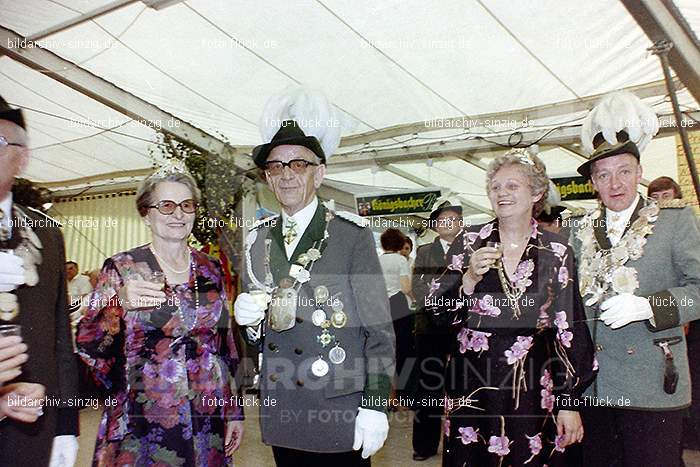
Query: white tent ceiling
(213,63)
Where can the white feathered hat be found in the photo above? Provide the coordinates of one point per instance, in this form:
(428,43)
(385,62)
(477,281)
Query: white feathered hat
(299,116)
(619,124)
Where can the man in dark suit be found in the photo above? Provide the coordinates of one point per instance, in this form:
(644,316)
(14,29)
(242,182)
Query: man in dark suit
(432,346)
(327,338)
(33,295)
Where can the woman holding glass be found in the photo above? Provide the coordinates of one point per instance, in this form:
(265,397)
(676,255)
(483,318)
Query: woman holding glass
(522,354)
(157,335)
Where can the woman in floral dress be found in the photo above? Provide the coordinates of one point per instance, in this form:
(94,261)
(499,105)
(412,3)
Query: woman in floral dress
(522,354)
(157,335)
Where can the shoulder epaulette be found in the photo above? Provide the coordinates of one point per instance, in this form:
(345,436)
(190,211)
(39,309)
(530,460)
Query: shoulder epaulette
(672,203)
(44,215)
(263,222)
(352,217)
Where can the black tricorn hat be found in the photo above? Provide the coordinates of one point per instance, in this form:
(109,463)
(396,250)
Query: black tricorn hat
(289,134)
(446,206)
(604,149)
(10,114)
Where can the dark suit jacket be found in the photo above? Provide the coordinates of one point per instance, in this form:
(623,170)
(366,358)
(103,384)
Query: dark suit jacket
(430,261)
(46,331)
(318,413)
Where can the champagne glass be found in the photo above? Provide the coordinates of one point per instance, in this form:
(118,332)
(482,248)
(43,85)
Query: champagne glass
(498,246)
(7,330)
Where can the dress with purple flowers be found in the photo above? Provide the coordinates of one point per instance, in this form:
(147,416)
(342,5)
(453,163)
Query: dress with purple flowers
(511,369)
(169,373)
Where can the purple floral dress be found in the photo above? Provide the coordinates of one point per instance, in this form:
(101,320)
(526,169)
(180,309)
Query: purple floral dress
(511,369)
(169,381)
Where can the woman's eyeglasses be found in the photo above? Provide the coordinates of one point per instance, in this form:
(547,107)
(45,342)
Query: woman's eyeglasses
(167,207)
(275,168)
(5,143)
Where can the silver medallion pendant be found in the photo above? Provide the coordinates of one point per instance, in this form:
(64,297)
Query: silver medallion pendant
(319,367)
(318,317)
(283,308)
(339,319)
(337,354)
(321,294)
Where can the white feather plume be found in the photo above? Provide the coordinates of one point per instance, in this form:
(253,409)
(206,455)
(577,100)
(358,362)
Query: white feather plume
(620,110)
(310,109)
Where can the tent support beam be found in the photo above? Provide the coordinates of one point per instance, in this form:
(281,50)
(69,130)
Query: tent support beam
(423,182)
(661,49)
(654,89)
(661,20)
(88,16)
(106,93)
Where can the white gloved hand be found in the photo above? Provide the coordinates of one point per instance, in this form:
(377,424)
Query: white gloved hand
(623,309)
(11,272)
(64,451)
(253,333)
(371,430)
(247,311)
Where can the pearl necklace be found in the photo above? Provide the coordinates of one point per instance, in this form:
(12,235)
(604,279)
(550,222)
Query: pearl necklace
(185,328)
(165,263)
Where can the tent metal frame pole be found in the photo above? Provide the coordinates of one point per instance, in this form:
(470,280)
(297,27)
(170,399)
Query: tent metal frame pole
(73,22)
(661,49)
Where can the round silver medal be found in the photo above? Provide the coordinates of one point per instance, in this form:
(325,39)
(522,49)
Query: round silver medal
(336,355)
(337,305)
(319,367)
(318,317)
(321,294)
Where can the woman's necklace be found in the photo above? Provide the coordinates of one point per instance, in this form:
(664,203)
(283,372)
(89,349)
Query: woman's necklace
(168,266)
(513,293)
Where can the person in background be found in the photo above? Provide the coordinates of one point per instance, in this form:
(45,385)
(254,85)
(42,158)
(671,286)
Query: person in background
(157,334)
(432,342)
(550,218)
(398,288)
(33,295)
(664,189)
(78,284)
(92,277)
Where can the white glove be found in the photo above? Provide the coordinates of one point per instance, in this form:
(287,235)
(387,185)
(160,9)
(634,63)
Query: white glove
(11,272)
(253,333)
(625,308)
(64,451)
(371,430)
(247,311)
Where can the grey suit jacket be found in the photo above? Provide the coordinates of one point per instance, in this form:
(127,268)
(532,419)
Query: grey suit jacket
(632,366)
(318,413)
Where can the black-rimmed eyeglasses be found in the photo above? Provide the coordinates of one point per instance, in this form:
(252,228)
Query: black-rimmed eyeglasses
(297,166)
(167,207)
(5,143)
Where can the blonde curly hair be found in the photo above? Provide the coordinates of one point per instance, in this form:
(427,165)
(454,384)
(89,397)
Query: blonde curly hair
(532,167)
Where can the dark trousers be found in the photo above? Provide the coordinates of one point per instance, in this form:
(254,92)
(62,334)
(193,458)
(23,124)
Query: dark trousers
(431,357)
(631,438)
(285,457)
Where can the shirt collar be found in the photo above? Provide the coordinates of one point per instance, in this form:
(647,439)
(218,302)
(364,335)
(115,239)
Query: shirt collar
(445,245)
(622,216)
(303,217)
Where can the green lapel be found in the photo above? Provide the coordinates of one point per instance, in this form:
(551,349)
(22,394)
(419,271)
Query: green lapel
(278,257)
(635,214)
(279,264)
(600,230)
(314,232)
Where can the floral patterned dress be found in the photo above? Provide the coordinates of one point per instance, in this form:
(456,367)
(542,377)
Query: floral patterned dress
(169,373)
(511,368)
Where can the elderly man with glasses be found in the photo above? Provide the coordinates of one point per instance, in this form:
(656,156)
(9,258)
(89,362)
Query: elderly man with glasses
(316,306)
